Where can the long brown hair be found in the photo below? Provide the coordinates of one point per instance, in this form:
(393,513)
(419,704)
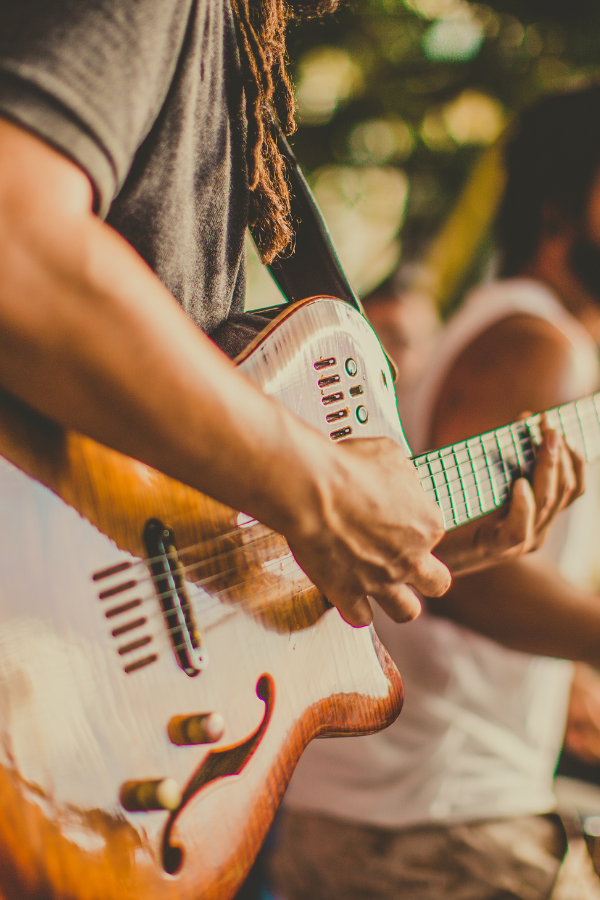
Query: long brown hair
(261,28)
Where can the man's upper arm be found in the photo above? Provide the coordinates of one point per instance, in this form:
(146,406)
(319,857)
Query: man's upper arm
(89,78)
(518,365)
(521,364)
(37,181)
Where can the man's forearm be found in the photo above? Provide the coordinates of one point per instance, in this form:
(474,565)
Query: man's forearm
(527,605)
(91,338)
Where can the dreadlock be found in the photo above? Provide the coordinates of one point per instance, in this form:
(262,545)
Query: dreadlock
(261,28)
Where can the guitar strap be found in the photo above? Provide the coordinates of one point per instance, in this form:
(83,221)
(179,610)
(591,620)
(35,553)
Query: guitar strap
(312,267)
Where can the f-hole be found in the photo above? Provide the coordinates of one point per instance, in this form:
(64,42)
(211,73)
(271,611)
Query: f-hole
(218,764)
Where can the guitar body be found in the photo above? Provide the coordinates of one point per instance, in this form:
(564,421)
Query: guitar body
(91,684)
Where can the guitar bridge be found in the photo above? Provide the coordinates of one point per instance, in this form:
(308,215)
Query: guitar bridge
(169,583)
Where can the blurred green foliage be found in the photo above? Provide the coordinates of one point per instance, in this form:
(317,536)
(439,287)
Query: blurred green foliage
(382,77)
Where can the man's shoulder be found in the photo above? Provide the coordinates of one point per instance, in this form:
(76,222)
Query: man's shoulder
(520,362)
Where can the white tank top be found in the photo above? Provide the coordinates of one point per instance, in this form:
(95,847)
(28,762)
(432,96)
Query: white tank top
(482,725)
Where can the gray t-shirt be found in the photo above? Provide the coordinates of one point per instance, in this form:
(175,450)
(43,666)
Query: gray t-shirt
(146,97)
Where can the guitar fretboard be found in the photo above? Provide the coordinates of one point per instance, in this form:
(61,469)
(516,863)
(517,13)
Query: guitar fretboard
(473,477)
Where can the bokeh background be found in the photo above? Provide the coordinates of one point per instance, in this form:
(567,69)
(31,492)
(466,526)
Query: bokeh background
(402,105)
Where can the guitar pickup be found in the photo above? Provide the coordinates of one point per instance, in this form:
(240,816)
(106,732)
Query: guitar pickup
(332,398)
(169,583)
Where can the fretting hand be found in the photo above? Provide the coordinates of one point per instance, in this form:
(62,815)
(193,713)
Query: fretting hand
(521,526)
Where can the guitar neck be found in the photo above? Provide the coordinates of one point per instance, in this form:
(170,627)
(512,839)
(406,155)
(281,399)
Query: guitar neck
(474,477)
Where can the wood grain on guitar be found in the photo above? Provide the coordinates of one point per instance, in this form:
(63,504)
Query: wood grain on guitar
(100,701)
(93,691)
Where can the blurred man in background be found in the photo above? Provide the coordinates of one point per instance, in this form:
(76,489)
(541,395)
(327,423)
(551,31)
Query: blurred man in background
(455,799)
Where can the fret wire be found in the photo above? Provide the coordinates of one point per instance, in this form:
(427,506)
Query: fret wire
(462,494)
(596,424)
(595,441)
(497,435)
(553,416)
(477,471)
(460,490)
(456,470)
(498,468)
(559,412)
(591,405)
(563,411)
(580,423)
(490,473)
(472,463)
(595,402)
(435,489)
(465,487)
(578,439)
(526,445)
(588,421)
(476,479)
(458,497)
(577,426)
(535,429)
(448,488)
(517,447)
(421,462)
(447,503)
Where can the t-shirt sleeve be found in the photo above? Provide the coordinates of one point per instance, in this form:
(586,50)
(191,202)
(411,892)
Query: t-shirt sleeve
(90,77)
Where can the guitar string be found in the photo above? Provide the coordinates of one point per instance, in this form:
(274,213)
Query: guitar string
(452,450)
(201,608)
(200,583)
(589,417)
(469,490)
(246,528)
(228,613)
(254,543)
(250,543)
(256,611)
(506,433)
(462,476)
(240,529)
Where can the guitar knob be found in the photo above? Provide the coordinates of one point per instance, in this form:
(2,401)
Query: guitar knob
(202,728)
(143,796)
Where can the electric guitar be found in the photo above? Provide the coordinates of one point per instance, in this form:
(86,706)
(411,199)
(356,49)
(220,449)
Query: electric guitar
(164,660)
